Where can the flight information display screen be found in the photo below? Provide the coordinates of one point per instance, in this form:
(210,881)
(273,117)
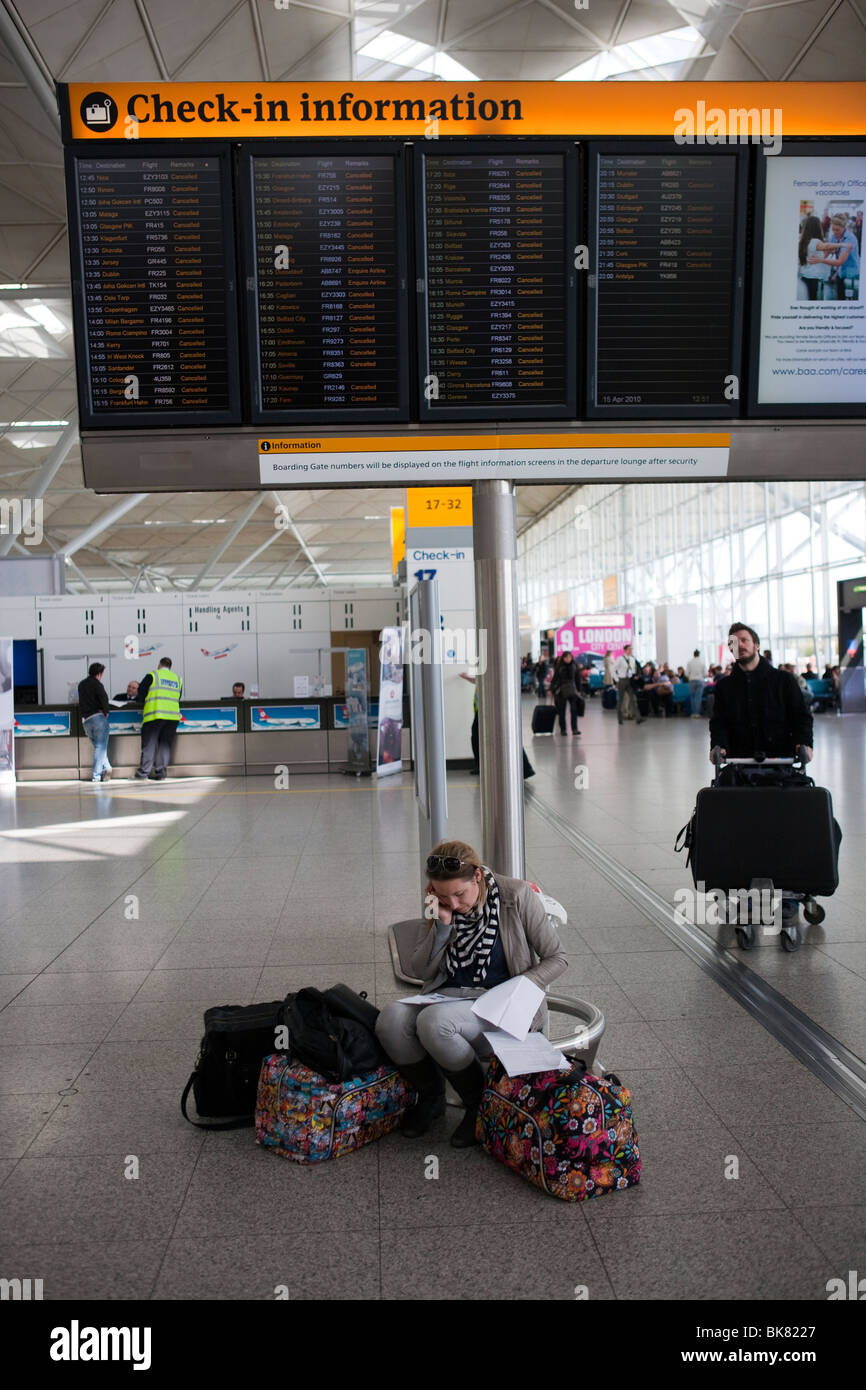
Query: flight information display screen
(665,314)
(328,297)
(153,289)
(496,327)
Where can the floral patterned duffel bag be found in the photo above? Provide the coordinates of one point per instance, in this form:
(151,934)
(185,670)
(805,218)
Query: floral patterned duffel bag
(571,1134)
(303,1117)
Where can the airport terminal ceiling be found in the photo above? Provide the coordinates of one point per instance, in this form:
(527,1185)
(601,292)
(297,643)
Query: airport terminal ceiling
(342,533)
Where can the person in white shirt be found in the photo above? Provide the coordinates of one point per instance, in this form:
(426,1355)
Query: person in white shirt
(696,672)
(624,668)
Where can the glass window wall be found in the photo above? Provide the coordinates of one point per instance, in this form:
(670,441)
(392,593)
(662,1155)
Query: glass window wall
(768,554)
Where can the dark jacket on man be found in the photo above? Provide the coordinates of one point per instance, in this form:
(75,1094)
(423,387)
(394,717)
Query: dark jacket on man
(92,697)
(760,711)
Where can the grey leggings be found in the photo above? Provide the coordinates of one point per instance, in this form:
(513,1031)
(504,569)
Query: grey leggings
(450,1033)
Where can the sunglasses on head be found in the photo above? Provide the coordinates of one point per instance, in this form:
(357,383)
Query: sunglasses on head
(446,862)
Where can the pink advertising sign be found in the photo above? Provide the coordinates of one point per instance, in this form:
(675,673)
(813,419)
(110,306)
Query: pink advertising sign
(595,632)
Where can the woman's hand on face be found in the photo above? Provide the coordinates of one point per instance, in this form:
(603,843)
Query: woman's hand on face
(443,912)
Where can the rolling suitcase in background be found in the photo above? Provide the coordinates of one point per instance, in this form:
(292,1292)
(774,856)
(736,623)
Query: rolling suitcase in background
(764,823)
(543,719)
(608,698)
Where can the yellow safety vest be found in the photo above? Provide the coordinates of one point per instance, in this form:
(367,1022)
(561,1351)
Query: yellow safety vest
(163,698)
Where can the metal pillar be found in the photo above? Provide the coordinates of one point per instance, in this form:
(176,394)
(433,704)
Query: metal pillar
(428,723)
(494,522)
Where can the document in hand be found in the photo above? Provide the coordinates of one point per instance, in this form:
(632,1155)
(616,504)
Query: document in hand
(510,1006)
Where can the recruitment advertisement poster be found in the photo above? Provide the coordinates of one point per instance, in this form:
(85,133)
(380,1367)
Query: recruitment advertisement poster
(813,314)
(389,755)
(7,713)
(357,694)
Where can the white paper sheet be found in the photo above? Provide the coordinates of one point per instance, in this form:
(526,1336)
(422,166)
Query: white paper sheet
(523,1058)
(421,999)
(511,1006)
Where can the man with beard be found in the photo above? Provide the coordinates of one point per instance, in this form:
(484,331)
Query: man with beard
(759,709)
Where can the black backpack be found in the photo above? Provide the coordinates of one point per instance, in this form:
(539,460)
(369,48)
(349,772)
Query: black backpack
(331,1032)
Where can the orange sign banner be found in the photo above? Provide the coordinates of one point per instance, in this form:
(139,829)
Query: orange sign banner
(242,110)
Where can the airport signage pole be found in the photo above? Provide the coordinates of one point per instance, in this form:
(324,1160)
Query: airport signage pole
(428,723)
(494,527)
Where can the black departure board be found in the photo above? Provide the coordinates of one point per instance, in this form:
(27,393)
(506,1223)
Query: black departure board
(328,287)
(153,289)
(496,331)
(665,316)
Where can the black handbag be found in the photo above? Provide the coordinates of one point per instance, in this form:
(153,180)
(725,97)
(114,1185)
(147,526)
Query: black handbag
(329,1042)
(237,1038)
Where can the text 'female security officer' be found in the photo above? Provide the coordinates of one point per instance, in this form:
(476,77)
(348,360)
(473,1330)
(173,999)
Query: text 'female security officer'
(160,692)
(487,929)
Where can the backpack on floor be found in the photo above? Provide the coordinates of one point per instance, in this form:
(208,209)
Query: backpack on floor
(571,1134)
(307,1119)
(236,1039)
(326,1032)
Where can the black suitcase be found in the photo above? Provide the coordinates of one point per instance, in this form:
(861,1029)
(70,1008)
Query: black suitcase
(608,699)
(543,719)
(787,834)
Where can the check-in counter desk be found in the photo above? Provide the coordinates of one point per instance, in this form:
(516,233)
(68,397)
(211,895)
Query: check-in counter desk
(308,735)
(223,739)
(287,733)
(46,743)
(209,741)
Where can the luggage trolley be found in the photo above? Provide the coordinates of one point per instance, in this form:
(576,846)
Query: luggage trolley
(765,838)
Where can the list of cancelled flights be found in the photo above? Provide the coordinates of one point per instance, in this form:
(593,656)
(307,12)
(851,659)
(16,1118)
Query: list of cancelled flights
(497,333)
(664,323)
(327,287)
(157,318)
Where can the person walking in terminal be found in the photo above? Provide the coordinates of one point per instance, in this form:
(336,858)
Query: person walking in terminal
(624,668)
(93,708)
(160,693)
(564,690)
(759,709)
(696,673)
(528,769)
(486,929)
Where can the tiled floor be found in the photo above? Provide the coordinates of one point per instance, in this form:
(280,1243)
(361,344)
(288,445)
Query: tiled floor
(125,911)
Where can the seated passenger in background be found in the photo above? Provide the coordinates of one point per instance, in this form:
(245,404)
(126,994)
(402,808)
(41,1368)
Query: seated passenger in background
(486,929)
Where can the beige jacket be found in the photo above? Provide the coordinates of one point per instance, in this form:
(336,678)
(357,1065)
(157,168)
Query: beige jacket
(530,941)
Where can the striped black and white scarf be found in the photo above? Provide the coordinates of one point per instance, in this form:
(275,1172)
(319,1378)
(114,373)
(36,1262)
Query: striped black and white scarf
(476,934)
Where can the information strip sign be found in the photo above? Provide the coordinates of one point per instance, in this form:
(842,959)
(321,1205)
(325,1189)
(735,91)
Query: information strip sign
(310,461)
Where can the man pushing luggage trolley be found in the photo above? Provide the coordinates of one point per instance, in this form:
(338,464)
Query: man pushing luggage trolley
(784,840)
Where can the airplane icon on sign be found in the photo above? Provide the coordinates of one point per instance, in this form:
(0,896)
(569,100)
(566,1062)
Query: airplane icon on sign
(278,722)
(224,651)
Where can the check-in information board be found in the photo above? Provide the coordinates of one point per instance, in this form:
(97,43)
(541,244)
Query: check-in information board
(354,283)
(155,313)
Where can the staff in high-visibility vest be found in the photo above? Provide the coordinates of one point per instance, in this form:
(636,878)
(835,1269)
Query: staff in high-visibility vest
(160,693)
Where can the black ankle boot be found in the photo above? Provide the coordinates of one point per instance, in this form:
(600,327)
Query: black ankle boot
(426,1079)
(469,1084)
